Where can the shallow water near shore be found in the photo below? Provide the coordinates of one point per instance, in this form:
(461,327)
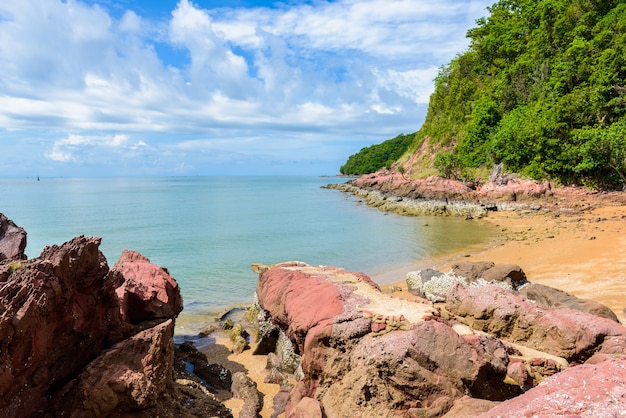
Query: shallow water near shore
(207,231)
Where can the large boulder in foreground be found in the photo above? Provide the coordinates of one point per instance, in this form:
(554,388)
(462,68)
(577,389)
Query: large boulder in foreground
(130,376)
(12,240)
(57,314)
(67,346)
(366,353)
(586,391)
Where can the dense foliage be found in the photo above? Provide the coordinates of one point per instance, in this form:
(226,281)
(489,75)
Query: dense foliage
(375,157)
(541,89)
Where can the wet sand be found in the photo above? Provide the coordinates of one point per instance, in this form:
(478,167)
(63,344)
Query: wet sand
(583,254)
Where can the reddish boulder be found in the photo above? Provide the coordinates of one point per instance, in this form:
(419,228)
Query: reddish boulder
(56,315)
(130,376)
(563,332)
(303,304)
(421,367)
(420,372)
(12,240)
(66,350)
(548,297)
(146,291)
(597,390)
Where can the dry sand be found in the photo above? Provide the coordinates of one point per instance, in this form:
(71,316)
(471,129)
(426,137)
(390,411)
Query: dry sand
(583,254)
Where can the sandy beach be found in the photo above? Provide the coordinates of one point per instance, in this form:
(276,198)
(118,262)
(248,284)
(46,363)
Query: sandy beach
(582,253)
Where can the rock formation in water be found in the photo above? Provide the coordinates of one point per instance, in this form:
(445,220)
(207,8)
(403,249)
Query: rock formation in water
(79,339)
(366,353)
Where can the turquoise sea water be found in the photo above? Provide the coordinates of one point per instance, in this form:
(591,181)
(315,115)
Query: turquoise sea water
(209,230)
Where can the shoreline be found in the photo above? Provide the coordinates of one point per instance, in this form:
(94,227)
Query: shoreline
(583,254)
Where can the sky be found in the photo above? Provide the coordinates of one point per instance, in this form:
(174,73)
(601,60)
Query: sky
(208,87)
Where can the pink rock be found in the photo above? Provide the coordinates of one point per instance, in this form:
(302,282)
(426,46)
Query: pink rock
(414,372)
(12,240)
(517,371)
(57,314)
(377,327)
(146,291)
(434,188)
(563,332)
(307,408)
(597,390)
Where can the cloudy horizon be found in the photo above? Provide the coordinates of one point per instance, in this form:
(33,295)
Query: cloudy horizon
(123,87)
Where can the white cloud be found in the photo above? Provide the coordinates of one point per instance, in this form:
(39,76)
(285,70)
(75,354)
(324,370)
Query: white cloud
(86,148)
(360,69)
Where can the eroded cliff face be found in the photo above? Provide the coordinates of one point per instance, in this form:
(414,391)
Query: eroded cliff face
(80,339)
(367,353)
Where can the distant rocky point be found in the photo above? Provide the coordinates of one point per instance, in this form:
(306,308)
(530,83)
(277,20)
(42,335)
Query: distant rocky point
(390,191)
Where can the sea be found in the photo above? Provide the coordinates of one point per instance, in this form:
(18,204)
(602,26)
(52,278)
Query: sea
(208,231)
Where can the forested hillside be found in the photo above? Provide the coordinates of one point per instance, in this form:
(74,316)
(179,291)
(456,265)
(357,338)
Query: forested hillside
(541,90)
(377,156)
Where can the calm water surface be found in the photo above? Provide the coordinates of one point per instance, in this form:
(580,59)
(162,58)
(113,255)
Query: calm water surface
(208,230)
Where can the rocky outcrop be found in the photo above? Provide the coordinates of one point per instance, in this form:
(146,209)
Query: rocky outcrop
(365,353)
(434,285)
(549,298)
(78,339)
(58,314)
(130,376)
(392,192)
(351,368)
(145,291)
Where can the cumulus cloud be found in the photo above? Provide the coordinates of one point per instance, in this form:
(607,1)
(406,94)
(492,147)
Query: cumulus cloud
(360,69)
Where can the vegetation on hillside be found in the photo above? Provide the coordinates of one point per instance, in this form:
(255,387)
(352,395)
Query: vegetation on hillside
(375,157)
(541,89)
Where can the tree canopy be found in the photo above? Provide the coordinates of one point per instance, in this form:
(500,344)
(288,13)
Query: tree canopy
(375,157)
(541,89)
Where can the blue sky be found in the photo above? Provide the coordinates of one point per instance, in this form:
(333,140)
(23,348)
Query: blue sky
(207,87)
